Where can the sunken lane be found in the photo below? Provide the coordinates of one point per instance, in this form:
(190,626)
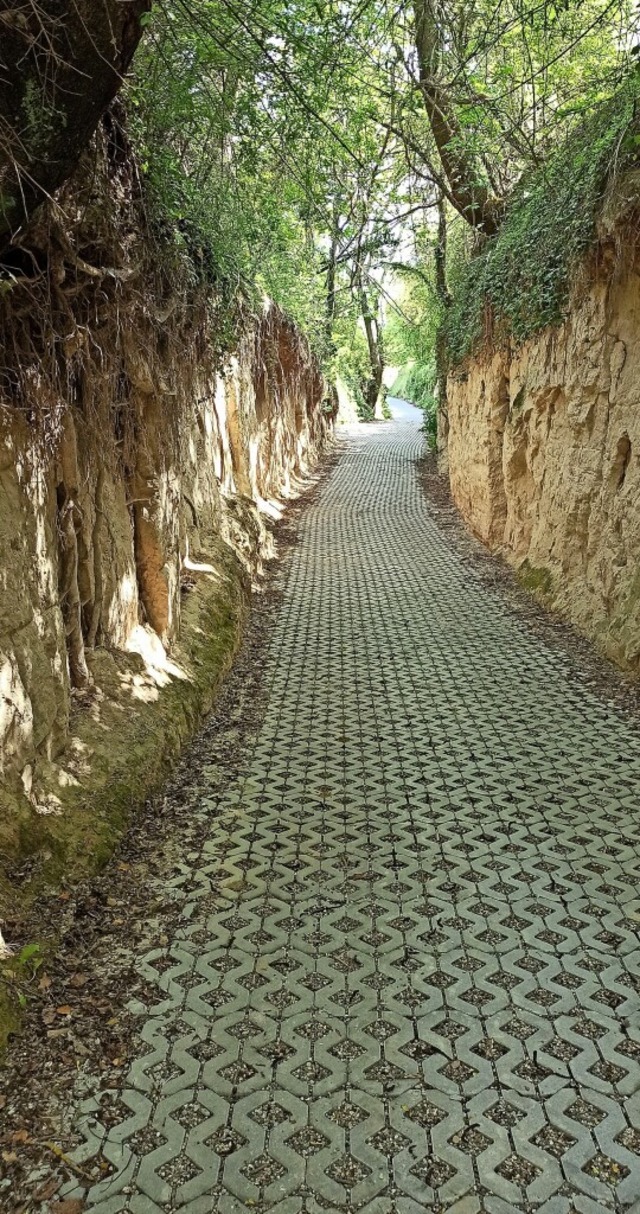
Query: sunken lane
(407,966)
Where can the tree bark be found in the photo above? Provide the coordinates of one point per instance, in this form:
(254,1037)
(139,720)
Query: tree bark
(61,64)
(441,351)
(440,255)
(330,310)
(471,197)
(374,343)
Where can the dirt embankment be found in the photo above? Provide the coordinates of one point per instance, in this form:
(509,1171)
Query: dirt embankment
(149,430)
(544,447)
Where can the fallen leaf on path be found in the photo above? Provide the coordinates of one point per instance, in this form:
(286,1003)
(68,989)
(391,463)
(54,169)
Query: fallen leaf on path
(78,980)
(64,1010)
(44,983)
(48,1189)
(71,1205)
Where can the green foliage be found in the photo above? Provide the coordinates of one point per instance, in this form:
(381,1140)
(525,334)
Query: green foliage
(21,970)
(410,338)
(413,322)
(350,361)
(30,956)
(520,280)
(254,137)
(515,76)
(280,156)
(416,383)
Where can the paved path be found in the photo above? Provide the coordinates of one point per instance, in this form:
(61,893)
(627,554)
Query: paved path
(409,968)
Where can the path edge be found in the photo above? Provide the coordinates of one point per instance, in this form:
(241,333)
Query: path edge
(54,854)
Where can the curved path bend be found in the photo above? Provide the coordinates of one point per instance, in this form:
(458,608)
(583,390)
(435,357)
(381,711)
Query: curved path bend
(408,970)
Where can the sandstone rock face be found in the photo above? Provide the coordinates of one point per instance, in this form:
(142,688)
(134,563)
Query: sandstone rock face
(543,451)
(104,529)
(147,431)
(151,425)
(98,544)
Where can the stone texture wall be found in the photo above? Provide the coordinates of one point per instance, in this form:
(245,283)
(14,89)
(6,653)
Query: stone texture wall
(138,465)
(98,547)
(544,447)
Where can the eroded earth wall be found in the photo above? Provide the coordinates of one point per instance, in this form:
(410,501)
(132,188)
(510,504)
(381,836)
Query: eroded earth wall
(543,452)
(139,460)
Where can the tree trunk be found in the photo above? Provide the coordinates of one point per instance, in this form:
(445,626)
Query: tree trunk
(468,194)
(330,313)
(441,352)
(61,63)
(376,358)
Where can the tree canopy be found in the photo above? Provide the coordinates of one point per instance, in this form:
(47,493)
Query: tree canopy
(346,157)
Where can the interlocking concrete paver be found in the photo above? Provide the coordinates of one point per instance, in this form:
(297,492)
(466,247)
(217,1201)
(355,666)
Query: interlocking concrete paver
(407,975)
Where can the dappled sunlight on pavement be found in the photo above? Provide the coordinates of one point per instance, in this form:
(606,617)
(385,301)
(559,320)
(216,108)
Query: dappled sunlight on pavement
(407,970)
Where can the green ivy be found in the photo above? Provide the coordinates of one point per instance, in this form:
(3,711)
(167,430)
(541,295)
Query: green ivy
(522,276)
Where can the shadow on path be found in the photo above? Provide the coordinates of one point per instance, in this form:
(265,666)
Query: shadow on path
(406,969)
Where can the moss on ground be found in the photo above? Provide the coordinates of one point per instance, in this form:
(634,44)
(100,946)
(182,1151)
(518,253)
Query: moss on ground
(9,1008)
(120,750)
(536,579)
